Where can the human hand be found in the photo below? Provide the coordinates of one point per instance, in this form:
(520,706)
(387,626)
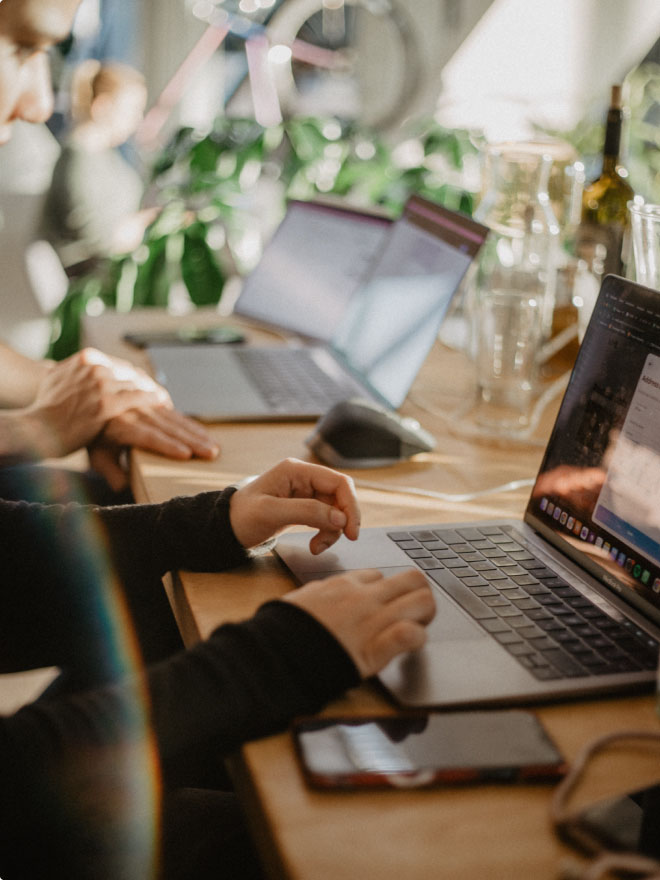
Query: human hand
(296,493)
(158,429)
(76,397)
(374,618)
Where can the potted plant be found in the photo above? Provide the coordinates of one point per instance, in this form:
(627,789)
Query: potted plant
(204,184)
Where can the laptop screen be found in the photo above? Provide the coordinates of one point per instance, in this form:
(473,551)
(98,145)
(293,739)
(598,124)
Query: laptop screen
(597,495)
(394,317)
(311,267)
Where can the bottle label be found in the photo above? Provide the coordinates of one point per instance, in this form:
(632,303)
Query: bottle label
(600,246)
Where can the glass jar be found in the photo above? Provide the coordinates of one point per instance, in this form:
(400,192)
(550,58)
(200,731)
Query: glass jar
(522,251)
(515,283)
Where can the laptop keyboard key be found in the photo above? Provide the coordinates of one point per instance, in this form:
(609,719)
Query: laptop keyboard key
(499,626)
(455,563)
(484,591)
(463,595)
(423,536)
(508,611)
(507,637)
(399,536)
(474,581)
(471,535)
(449,536)
(564,663)
(428,564)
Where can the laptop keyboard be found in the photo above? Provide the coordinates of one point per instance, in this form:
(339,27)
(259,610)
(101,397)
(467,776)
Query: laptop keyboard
(550,628)
(291,381)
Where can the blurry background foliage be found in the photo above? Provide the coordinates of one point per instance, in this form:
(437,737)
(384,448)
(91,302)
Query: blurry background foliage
(640,147)
(210,188)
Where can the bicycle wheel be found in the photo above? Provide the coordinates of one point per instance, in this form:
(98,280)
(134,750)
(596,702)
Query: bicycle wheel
(347,58)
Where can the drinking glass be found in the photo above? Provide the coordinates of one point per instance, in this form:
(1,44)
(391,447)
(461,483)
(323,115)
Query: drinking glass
(645,230)
(508,328)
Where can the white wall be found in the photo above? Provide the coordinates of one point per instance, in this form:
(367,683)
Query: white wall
(549,61)
(26,164)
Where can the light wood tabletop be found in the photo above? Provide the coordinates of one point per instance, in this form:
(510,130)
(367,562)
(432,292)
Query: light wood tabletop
(503,831)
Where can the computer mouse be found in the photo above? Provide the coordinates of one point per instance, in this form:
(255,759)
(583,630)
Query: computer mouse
(357,433)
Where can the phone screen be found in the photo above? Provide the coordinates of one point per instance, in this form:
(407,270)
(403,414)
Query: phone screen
(423,749)
(629,822)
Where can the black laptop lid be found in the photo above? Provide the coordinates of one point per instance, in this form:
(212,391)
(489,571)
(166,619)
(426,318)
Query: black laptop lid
(597,495)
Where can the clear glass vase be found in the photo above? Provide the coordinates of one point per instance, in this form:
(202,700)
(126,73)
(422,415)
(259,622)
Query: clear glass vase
(523,248)
(516,274)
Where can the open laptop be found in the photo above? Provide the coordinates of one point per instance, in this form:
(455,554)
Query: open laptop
(311,267)
(565,603)
(378,346)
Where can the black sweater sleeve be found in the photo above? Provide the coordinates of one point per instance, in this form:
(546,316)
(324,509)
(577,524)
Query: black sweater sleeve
(89,749)
(78,771)
(246,681)
(260,669)
(61,562)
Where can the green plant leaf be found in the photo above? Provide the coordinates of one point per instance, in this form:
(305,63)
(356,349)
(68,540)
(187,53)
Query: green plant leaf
(199,268)
(152,282)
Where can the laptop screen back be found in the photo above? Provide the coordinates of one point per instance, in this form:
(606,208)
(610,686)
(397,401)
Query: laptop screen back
(597,495)
(394,317)
(311,267)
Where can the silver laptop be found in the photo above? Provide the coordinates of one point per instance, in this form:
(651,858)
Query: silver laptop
(311,267)
(565,603)
(381,340)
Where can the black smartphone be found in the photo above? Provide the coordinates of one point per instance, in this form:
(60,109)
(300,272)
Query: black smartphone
(414,749)
(629,822)
(220,335)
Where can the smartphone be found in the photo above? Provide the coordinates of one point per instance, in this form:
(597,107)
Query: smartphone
(629,823)
(415,750)
(221,335)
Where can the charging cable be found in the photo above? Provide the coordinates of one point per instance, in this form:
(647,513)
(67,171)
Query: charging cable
(445,496)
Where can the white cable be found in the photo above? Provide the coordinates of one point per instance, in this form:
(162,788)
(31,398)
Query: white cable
(445,496)
(456,419)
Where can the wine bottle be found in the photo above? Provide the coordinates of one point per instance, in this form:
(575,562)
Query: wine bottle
(604,220)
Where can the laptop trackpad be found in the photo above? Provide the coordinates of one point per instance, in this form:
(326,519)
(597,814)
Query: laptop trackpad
(449,624)
(442,674)
(209,383)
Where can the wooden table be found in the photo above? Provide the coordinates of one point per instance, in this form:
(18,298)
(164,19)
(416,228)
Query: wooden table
(490,830)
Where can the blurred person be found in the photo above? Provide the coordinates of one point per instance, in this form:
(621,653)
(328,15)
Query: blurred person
(92,208)
(89,400)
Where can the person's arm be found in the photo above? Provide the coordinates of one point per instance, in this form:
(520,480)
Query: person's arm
(63,558)
(20,377)
(248,680)
(90,399)
(372,617)
(81,773)
(60,560)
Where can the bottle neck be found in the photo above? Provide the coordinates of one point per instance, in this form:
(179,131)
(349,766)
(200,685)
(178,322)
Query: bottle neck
(612,139)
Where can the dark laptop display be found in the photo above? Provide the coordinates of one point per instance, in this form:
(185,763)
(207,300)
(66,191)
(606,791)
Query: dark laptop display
(567,602)
(597,495)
